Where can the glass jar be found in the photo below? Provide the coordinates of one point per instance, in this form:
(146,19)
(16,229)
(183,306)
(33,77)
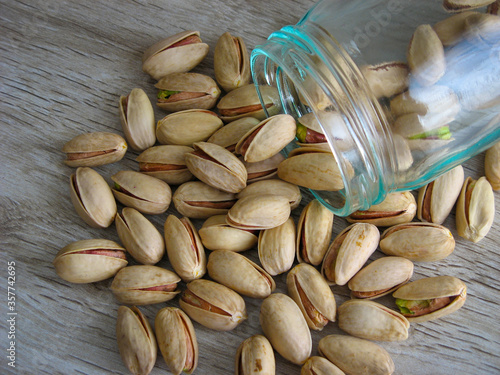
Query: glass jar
(397,90)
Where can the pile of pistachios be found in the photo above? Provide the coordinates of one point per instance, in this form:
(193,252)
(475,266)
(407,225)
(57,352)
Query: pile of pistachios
(234,192)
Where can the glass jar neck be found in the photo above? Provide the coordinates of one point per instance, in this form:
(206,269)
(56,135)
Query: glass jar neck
(313,73)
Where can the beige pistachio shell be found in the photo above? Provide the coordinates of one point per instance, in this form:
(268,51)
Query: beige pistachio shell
(92,198)
(187,127)
(240,274)
(217,167)
(267,138)
(274,186)
(349,251)
(197,200)
(463,5)
(386,79)
(285,327)
(259,212)
(314,232)
(136,340)
(312,294)
(451,29)
(231,62)
(356,356)
(372,321)
(276,247)
(492,166)
(475,210)
(94,149)
(404,158)
(193,91)
(144,285)
(381,277)
(431,288)
(263,170)
(184,248)
(420,242)
(213,305)
(437,198)
(413,124)
(146,194)
(229,135)
(139,236)
(178,53)
(320,366)
(138,119)
(216,234)
(166,163)
(89,261)
(255,356)
(177,340)
(397,208)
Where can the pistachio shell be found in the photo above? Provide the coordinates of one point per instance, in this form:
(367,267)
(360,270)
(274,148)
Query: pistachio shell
(274,186)
(421,242)
(138,119)
(451,30)
(320,366)
(229,135)
(216,234)
(431,288)
(277,247)
(177,340)
(213,305)
(284,325)
(94,149)
(184,248)
(178,53)
(462,5)
(139,236)
(386,79)
(356,356)
(255,356)
(231,62)
(263,170)
(89,261)
(92,198)
(144,285)
(492,166)
(240,274)
(136,340)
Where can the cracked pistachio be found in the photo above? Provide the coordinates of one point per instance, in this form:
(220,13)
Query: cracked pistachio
(216,234)
(263,170)
(463,5)
(386,79)
(231,62)
(255,356)
(276,247)
(492,166)
(94,149)
(320,366)
(229,135)
(273,186)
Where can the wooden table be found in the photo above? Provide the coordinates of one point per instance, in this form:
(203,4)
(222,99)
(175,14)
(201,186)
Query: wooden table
(63,66)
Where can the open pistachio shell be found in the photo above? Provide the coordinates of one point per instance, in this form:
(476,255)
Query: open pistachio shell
(492,166)
(276,247)
(178,53)
(463,5)
(320,366)
(263,170)
(386,79)
(285,327)
(216,234)
(255,356)
(438,296)
(184,248)
(177,340)
(273,186)
(231,62)
(94,149)
(229,135)
(309,131)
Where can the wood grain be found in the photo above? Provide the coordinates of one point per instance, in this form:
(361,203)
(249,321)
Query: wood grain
(63,66)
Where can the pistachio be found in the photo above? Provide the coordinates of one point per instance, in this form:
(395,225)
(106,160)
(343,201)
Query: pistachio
(372,321)
(274,186)
(482,28)
(217,167)
(139,236)
(475,209)
(356,356)
(146,194)
(255,356)
(451,30)
(404,158)
(216,234)
(426,56)
(263,170)
(92,198)
(267,138)
(231,62)
(138,119)
(463,5)
(187,127)
(320,366)
(144,285)
(94,149)
(437,198)
(284,325)
(229,135)
(184,248)
(312,294)
(416,127)
(349,251)
(381,277)
(397,208)
(314,232)
(197,200)
(89,261)
(240,274)
(386,79)
(213,305)
(176,54)
(276,247)
(136,340)
(309,131)
(166,163)
(177,340)
(421,242)
(181,91)
(492,166)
